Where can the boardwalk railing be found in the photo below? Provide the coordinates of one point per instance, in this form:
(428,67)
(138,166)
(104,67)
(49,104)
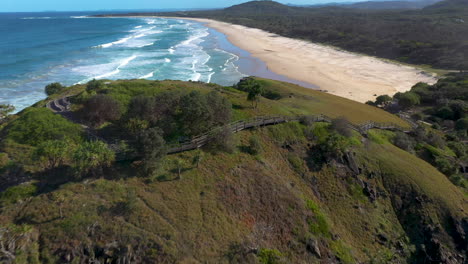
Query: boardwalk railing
(260,121)
(62,106)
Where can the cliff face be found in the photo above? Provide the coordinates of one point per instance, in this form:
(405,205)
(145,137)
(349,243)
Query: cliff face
(374,204)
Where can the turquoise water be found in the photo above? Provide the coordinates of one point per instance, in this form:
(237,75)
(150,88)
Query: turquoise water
(37,49)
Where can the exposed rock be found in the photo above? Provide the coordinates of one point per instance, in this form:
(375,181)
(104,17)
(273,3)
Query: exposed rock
(313,247)
(382,239)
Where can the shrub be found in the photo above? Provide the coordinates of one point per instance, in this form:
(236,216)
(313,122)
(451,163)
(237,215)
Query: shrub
(94,85)
(151,147)
(462,124)
(341,125)
(320,224)
(4,160)
(435,140)
(101,108)
(417,116)
(54,88)
(37,125)
(445,165)
(53,153)
(459,108)
(92,157)
(5,110)
(307,120)
(255,145)
(197,159)
(403,141)
(269,256)
(408,99)
(19,192)
(445,112)
(383,99)
(222,140)
(297,163)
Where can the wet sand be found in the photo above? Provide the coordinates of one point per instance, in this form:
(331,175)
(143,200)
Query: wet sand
(350,75)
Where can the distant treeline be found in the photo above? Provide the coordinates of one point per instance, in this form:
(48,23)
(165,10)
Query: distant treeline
(436,35)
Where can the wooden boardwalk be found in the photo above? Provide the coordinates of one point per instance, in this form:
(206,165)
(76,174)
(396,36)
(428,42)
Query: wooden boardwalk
(260,121)
(62,106)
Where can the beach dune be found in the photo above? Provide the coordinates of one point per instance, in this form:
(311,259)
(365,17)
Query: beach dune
(354,76)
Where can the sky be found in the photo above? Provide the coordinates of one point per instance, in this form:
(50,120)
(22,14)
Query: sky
(88,5)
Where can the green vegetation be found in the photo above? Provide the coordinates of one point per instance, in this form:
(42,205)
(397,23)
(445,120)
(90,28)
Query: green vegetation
(434,36)
(54,88)
(319,226)
(37,125)
(92,157)
(288,193)
(5,110)
(269,256)
(444,107)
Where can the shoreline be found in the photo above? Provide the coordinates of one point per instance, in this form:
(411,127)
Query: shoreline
(342,73)
(249,65)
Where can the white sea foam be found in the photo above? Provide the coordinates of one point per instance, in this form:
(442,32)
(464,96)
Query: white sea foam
(122,64)
(36,18)
(138,34)
(138,27)
(145,45)
(196,77)
(149,75)
(79,17)
(209,77)
(167,60)
(171,50)
(110,44)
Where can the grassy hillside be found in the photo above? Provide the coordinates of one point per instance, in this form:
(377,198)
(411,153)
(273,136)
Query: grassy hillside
(298,192)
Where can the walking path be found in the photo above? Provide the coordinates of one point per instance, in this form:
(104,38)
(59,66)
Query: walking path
(62,106)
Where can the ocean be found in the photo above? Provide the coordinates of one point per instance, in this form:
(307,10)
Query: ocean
(39,48)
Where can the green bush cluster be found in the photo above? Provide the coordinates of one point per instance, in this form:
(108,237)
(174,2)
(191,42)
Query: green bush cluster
(269,256)
(37,125)
(54,88)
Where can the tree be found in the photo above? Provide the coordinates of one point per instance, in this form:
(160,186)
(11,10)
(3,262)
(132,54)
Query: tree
(462,124)
(92,157)
(53,153)
(255,91)
(197,158)
(151,147)
(445,112)
(101,108)
(408,99)
(178,163)
(195,114)
(5,110)
(383,100)
(54,88)
(220,108)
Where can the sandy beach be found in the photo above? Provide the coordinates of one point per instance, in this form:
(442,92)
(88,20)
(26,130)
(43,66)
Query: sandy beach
(354,76)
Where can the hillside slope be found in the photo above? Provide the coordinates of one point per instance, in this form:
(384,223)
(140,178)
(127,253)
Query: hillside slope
(299,192)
